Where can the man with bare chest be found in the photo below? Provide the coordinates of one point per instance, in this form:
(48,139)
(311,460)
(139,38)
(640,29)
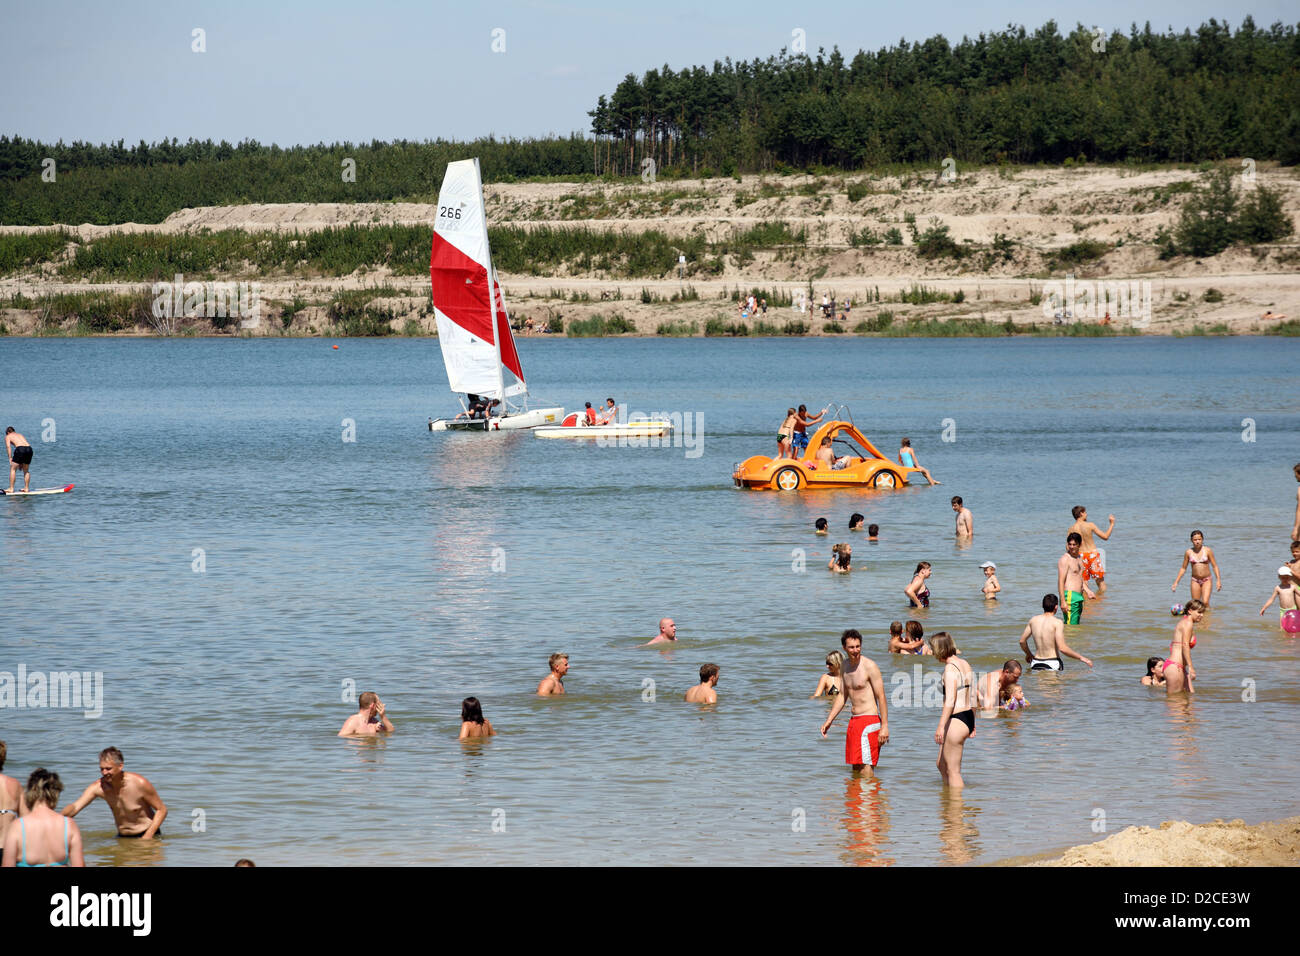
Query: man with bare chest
(11,796)
(865,690)
(1069,579)
(137,809)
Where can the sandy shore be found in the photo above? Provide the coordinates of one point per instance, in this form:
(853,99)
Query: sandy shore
(1179,843)
(1041,210)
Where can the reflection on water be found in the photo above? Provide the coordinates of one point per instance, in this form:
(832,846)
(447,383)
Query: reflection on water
(108,849)
(865,822)
(958,835)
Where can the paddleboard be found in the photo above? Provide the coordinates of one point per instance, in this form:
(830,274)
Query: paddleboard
(38,491)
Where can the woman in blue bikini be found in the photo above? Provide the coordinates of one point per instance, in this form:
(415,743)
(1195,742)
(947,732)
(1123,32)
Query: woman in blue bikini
(43,837)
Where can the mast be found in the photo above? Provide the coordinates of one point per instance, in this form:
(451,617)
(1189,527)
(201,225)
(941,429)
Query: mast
(492,289)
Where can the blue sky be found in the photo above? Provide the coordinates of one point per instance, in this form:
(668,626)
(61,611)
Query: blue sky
(297,72)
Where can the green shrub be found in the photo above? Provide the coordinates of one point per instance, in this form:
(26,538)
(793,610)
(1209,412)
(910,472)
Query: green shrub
(1085,250)
(1212,295)
(936,242)
(676,329)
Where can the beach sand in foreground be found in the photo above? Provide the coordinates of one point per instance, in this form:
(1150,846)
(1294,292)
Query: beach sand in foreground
(1179,843)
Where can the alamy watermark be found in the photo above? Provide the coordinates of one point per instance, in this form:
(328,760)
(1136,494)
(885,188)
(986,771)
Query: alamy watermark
(208,300)
(658,430)
(53,690)
(1076,299)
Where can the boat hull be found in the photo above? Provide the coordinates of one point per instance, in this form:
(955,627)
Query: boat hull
(508,423)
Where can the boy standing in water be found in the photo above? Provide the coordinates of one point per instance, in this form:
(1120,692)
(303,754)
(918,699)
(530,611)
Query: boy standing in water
(1069,580)
(1088,550)
(1286,594)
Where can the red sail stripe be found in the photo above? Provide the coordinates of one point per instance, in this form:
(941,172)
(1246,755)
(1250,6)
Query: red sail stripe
(460,292)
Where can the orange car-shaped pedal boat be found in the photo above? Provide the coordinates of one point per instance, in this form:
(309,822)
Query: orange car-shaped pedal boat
(856,464)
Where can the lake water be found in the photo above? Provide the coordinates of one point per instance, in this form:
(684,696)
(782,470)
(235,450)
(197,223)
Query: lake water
(429,567)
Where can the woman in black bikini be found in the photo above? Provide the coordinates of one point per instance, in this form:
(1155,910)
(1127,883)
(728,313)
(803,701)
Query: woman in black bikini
(957,722)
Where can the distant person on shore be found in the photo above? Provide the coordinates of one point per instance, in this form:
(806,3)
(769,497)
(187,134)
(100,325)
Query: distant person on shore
(1202,560)
(997,687)
(965,520)
(472,721)
(43,837)
(369,719)
(1295,525)
(799,439)
(991,587)
(864,690)
(553,683)
(1069,580)
(831,683)
(1178,671)
(918,591)
(957,722)
(855,521)
(821,527)
(1048,634)
(1088,553)
(18,451)
(1155,675)
(703,692)
(841,556)
(1286,594)
(873,532)
(667,633)
(907,458)
(137,809)
(785,435)
(11,797)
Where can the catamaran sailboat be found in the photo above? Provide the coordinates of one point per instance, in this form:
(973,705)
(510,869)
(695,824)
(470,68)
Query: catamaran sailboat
(478,347)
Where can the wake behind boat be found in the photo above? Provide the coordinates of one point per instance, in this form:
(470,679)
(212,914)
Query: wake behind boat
(474,333)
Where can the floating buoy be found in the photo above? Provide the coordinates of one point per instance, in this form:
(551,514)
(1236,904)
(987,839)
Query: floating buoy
(335,347)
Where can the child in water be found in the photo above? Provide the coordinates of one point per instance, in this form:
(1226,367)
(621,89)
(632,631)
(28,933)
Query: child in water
(1014,698)
(820,526)
(918,593)
(841,555)
(831,683)
(1286,594)
(991,586)
(1155,676)
(873,532)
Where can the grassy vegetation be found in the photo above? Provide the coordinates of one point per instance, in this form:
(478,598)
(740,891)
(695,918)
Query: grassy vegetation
(793,327)
(93,312)
(1077,253)
(20,252)
(1290,328)
(677,329)
(597,326)
(720,326)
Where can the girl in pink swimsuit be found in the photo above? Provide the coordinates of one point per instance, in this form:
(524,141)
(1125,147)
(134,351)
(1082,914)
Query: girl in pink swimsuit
(1202,561)
(1178,670)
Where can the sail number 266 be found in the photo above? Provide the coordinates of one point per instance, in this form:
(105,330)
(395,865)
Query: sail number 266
(447,212)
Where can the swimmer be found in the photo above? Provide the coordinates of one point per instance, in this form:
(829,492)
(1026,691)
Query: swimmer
(907,458)
(965,520)
(667,633)
(855,521)
(1015,698)
(369,719)
(472,721)
(841,556)
(1069,579)
(864,690)
(1048,634)
(991,587)
(821,527)
(1202,560)
(918,592)
(1178,670)
(1088,553)
(1286,594)
(703,692)
(137,809)
(42,837)
(873,532)
(1294,563)
(831,682)
(1155,675)
(553,683)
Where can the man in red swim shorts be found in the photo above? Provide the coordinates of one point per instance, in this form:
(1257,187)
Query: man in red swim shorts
(865,690)
(1085,529)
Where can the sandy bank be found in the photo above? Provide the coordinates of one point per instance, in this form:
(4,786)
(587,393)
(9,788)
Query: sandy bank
(1179,843)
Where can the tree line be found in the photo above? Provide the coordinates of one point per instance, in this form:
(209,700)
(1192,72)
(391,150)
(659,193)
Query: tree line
(1012,95)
